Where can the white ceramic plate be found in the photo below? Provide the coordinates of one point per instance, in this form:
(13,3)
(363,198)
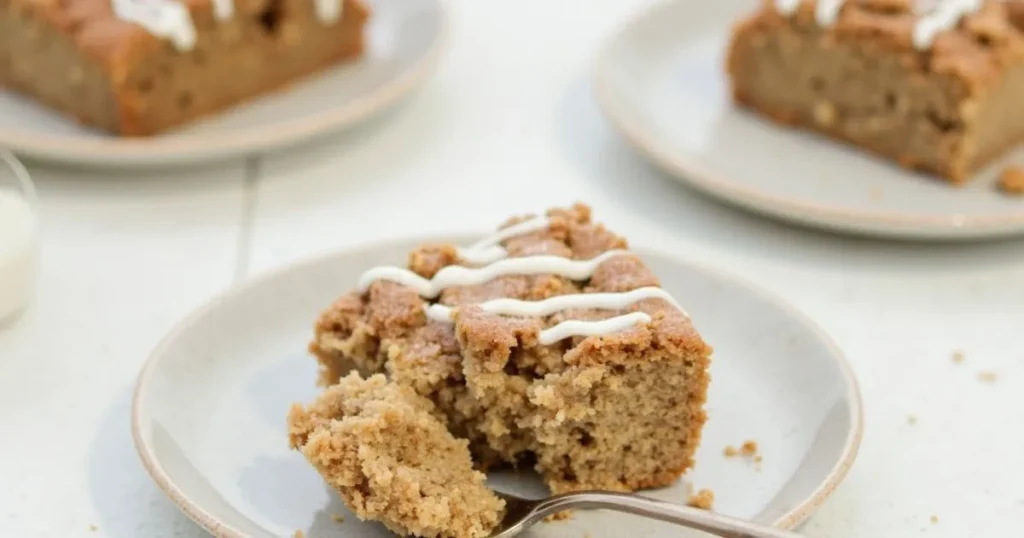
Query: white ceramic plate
(404,43)
(210,405)
(661,82)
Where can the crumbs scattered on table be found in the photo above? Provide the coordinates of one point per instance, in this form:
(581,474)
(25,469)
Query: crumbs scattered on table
(1011,180)
(934,519)
(704,499)
(911,419)
(749,448)
(958,357)
(988,377)
(338,518)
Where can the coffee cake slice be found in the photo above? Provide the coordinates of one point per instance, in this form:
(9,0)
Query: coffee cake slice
(383,448)
(549,342)
(142,67)
(932,89)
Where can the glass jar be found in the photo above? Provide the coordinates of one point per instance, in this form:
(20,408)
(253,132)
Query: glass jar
(19,237)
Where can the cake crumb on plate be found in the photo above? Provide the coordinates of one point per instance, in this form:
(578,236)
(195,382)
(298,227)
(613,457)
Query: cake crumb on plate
(934,519)
(958,357)
(338,518)
(1011,180)
(704,499)
(911,419)
(749,448)
(298,534)
(93,528)
(987,377)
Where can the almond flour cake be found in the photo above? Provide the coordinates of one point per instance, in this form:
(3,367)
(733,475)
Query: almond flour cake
(931,84)
(139,67)
(548,343)
(385,450)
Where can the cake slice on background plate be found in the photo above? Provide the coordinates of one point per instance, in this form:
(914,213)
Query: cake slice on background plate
(934,85)
(140,67)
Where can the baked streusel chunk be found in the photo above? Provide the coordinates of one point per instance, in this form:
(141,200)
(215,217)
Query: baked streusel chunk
(549,343)
(385,450)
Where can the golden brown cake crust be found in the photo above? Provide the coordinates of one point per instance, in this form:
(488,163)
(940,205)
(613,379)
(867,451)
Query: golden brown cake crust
(947,109)
(573,406)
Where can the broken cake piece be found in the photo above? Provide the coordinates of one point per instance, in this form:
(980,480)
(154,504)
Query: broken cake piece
(389,456)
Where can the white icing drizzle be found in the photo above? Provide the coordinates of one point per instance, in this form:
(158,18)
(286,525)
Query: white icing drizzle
(569,328)
(826,13)
(329,11)
(168,19)
(945,16)
(223,9)
(488,249)
(603,301)
(787,7)
(489,253)
(484,256)
(455,275)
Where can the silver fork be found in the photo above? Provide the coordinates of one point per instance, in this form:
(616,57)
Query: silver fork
(520,514)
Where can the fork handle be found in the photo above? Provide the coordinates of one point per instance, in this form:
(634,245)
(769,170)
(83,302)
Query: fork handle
(717,524)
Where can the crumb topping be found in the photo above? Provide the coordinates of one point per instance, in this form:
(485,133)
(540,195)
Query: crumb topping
(976,49)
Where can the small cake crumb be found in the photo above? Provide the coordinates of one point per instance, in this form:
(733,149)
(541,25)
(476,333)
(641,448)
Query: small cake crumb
(1011,180)
(704,499)
(298,534)
(987,377)
(338,518)
(958,357)
(93,528)
(934,519)
(748,449)
(911,420)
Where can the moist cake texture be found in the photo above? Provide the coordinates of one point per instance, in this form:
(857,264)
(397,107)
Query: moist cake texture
(601,385)
(385,450)
(933,90)
(80,57)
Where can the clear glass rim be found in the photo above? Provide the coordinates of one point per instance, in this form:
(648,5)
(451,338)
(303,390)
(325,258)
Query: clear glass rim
(21,174)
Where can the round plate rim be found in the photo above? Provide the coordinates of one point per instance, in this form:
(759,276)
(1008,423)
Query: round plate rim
(693,173)
(210,523)
(193,149)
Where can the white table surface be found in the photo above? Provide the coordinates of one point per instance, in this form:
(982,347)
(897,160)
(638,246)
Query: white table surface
(507,125)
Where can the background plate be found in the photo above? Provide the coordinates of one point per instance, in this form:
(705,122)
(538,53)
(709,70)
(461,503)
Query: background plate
(405,41)
(661,82)
(210,406)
